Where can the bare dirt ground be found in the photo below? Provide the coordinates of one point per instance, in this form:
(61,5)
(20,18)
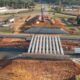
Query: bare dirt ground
(39,70)
(4,42)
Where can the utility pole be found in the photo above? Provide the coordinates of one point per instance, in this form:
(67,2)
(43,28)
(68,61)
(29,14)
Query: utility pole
(42,13)
(60,5)
(79,11)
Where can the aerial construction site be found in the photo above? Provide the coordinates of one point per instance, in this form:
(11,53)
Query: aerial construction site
(39,43)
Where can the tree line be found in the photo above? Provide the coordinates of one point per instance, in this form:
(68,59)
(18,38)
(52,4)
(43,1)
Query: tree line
(30,3)
(63,1)
(17,3)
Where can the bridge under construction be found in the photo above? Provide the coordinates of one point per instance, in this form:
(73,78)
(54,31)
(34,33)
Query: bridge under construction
(43,44)
(44,47)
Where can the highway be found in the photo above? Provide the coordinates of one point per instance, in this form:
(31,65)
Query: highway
(24,36)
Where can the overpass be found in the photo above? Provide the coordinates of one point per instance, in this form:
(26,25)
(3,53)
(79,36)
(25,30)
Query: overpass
(44,47)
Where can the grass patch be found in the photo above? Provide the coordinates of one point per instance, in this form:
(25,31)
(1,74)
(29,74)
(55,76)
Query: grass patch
(78,77)
(72,35)
(5,30)
(70,26)
(59,15)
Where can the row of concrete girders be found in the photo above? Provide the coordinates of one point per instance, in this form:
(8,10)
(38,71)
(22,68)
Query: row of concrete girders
(42,44)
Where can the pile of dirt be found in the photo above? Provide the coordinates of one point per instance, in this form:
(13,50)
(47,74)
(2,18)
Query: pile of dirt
(39,70)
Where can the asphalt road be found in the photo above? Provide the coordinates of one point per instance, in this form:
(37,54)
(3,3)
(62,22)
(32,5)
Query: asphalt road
(29,35)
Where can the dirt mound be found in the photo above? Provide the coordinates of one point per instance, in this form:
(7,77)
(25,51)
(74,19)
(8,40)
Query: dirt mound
(39,70)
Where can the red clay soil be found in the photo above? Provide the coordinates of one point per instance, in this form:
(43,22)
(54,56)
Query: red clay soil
(4,44)
(39,70)
(13,42)
(11,39)
(70,45)
(60,24)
